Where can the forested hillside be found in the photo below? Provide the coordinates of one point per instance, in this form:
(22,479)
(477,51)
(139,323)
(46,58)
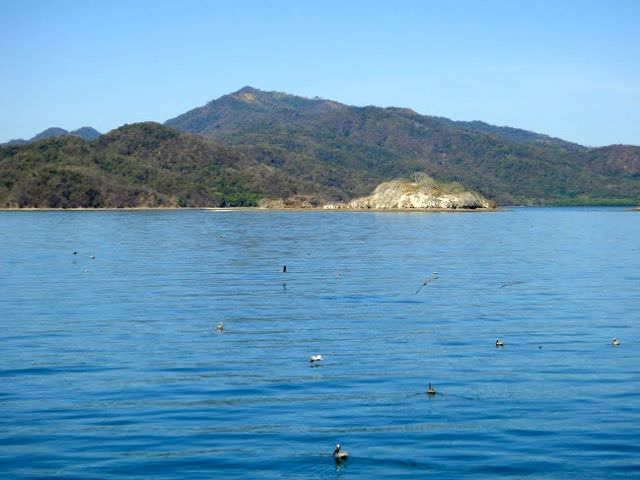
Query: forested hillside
(253,145)
(307,137)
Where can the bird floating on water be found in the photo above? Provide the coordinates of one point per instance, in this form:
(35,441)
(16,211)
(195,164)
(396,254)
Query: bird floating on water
(499,343)
(512,283)
(339,455)
(315,358)
(220,326)
(615,342)
(284,269)
(430,390)
(92,257)
(434,277)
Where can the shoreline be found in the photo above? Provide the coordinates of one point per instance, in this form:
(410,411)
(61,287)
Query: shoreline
(307,209)
(250,209)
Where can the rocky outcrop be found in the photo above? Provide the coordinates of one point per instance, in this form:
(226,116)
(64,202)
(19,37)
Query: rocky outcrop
(423,194)
(296,201)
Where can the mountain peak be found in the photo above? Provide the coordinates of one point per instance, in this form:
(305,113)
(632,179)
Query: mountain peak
(251,94)
(247,89)
(85,133)
(49,133)
(247,94)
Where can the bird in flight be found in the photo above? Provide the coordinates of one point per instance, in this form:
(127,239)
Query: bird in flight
(434,276)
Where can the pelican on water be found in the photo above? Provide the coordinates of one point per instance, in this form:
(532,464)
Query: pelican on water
(431,390)
(339,454)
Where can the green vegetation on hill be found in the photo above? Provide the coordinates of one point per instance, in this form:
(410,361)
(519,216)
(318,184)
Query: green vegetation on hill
(355,148)
(140,165)
(253,146)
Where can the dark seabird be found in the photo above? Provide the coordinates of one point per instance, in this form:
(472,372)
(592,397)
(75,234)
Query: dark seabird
(431,390)
(434,277)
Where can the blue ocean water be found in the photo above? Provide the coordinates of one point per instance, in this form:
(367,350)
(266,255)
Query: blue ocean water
(111,367)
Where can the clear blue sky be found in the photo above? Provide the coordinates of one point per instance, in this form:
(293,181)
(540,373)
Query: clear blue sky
(570,69)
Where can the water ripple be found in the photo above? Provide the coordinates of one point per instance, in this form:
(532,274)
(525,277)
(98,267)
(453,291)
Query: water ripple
(113,368)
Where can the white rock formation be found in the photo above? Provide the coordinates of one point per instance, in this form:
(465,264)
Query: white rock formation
(399,194)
